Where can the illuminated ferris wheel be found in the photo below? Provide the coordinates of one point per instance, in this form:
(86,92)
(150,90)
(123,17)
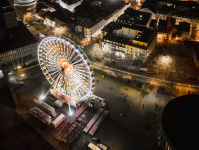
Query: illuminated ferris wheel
(66,68)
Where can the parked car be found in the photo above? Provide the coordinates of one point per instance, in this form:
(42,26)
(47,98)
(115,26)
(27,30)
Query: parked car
(96,139)
(102,146)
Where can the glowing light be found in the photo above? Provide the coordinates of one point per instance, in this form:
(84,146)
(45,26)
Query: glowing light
(42,97)
(19,67)
(22,75)
(70,113)
(166,59)
(66,67)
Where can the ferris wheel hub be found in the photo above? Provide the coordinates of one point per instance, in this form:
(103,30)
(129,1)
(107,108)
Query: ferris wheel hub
(65,66)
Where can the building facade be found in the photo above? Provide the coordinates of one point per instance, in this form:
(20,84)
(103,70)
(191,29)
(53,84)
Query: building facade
(16,41)
(129,41)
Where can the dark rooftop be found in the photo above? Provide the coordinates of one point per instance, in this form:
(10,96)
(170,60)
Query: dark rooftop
(115,38)
(95,13)
(156,7)
(184,26)
(153,23)
(134,27)
(132,16)
(70,2)
(85,22)
(180,122)
(146,35)
(111,26)
(162,26)
(17,37)
(4,3)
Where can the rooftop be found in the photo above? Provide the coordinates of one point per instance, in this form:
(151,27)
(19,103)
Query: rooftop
(134,27)
(132,16)
(4,3)
(146,35)
(111,26)
(178,10)
(153,23)
(16,37)
(70,2)
(184,26)
(115,38)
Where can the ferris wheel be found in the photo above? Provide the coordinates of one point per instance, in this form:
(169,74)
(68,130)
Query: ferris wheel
(66,68)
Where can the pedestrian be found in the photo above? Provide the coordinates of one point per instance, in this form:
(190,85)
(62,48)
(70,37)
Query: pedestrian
(143,106)
(156,106)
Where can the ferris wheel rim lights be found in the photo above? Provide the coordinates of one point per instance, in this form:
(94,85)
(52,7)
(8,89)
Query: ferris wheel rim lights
(79,53)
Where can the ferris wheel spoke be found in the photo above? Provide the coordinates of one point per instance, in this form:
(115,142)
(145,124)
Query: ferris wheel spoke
(84,78)
(71,56)
(56,81)
(82,64)
(81,81)
(60,81)
(55,73)
(49,65)
(79,73)
(68,52)
(82,73)
(76,61)
(84,88)
(82,70)
(74,58)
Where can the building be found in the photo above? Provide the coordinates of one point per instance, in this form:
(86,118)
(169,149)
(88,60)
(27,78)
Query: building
(185,30)
(136,17)
(182,11)
(163,28)
(91,19)
(179,124)
(16,41)
(128,41)
(70,4)
(52,17)
(153,24)
(7,15)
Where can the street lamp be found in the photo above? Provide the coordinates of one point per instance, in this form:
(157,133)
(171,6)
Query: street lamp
(22,75)
(166,59)
(42,97)
(19,67)
(70,113)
